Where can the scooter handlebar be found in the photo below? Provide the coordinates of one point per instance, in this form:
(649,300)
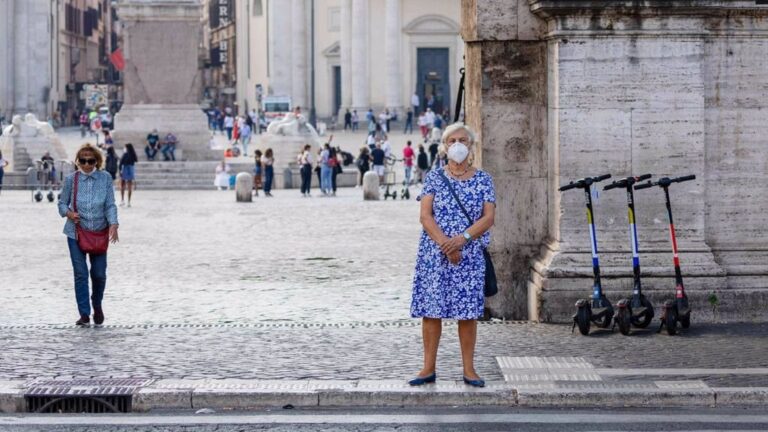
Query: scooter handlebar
(601,178)
(643,177)
(643,185)
(684,178)
(569,186)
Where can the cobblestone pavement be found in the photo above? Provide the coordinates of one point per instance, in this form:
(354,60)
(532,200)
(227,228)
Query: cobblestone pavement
(200,257)
(359,350)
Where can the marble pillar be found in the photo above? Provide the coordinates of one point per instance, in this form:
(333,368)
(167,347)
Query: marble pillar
(162,79)
(299,53)
(280,49)
(360,78)
(21,57)
(346,56)
(392,52)
(6,52)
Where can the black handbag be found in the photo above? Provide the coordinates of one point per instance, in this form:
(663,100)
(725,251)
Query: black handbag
(490,288)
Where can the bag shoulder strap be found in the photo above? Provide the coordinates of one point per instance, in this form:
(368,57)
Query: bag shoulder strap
(74,193)
(455,196)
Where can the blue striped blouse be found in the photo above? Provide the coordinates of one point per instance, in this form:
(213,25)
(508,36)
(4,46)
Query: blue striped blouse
(95,201)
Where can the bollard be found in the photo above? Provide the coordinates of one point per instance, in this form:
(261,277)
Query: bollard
(243,187)
(371,186)
(287,178)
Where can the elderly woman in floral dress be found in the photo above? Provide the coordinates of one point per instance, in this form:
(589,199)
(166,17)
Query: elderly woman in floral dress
(450,267)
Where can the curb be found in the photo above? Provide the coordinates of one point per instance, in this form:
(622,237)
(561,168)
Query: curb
(236,394)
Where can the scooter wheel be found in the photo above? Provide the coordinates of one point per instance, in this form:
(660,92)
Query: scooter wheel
(624,320)
(583,319)
(671,321)
(685,321)
(647,317)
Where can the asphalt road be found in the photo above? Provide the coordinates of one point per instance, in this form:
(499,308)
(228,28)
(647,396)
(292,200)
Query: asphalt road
(424,419)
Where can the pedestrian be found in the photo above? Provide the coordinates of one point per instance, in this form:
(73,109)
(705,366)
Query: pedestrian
(363,163)
(347,120)
(450,266)
(326,170)
(153,145)
(127,173)
(87,200)
(258,171)
(422,122)
(111,163)
(268,161)
(3,163)
(408,157)
(433,149)
(169,147)
(221,179)
(422,164)
(408,122)
(245,137)
(333,162)
(387,147)
(108,141)
(370,142)
(384,121)
(415,103)
(377,157)
(229,124)
(85,124)
(355,121)
(306,170)
(371,118)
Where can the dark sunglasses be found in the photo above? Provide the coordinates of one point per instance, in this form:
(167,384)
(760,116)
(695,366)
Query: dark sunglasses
(84,161)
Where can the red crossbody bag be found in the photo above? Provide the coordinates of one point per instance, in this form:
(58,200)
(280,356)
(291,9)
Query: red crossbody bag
(90,242)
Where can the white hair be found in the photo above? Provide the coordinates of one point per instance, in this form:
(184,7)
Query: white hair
(450,130)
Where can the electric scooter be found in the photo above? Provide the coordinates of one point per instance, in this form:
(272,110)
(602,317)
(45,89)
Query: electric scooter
(635,311)
(677,310)
(599,311)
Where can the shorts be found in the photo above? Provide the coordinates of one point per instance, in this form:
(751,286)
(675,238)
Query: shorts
(379,170)
(128,173)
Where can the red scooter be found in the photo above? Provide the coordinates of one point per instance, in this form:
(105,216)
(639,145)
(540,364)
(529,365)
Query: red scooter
(677,310)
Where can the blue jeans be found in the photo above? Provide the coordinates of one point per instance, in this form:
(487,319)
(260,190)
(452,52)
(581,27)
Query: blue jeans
(168,152)
(408,174)
(98,275)
(325,178)
(269,175)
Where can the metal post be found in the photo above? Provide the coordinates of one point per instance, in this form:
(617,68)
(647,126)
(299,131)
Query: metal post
(312,111)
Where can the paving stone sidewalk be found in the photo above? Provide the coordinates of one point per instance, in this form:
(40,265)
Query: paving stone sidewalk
(372,351)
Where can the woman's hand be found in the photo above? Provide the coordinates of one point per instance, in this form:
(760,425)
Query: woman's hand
(454,257)
(453,244)
(113,237)
(74,217)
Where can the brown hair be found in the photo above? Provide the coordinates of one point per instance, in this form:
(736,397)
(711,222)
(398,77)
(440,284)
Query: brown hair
(87,147)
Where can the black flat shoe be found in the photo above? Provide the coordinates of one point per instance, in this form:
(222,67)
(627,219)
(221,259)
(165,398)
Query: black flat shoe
(98,316)
(474,383)
(429,379)
(83,321)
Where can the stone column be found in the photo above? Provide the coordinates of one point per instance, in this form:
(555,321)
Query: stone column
(7,67)
(299,54)
(360,78)
(280,48)
(392,53)
(346,56)
(163,82)
(22,56)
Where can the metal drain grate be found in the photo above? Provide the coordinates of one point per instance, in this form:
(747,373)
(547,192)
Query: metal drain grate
(82,395)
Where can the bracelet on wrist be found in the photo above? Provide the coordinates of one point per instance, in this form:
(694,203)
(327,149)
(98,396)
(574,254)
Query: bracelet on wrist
(467,236)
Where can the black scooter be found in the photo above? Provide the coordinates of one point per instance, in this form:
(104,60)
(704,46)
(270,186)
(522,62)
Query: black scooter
(677,309)
(635,311)
(599,311)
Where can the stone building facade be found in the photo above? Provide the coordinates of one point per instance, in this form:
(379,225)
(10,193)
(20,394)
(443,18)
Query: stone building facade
(390,48)
(565,89)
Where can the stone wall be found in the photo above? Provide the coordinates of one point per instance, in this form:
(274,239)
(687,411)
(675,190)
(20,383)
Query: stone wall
(589,87)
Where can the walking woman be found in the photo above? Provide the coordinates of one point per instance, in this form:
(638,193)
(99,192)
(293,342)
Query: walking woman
(258,172)
(87,200)
(127,172)
(3,164)
(268,160)
(450,267)
(111,162)
(363,163)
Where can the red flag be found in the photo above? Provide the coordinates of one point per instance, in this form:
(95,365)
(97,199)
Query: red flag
(117,59)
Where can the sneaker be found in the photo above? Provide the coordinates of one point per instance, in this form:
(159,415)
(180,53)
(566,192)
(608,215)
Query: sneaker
(98,315)
(83,321)
(122,203)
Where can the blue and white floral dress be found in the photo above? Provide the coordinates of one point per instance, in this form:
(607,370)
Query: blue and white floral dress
(441,289)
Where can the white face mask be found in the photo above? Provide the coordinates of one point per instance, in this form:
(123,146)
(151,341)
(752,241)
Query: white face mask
(458,152)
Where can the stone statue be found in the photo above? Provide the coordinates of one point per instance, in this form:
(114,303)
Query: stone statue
(29,127)
(293,124)
(14,129)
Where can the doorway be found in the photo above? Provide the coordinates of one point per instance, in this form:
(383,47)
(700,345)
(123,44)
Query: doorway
(336,90)
(432,85)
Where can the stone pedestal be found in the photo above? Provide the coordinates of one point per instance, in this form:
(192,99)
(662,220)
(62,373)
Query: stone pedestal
(162,75)
(371,186)
(243,187)
(286,149)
